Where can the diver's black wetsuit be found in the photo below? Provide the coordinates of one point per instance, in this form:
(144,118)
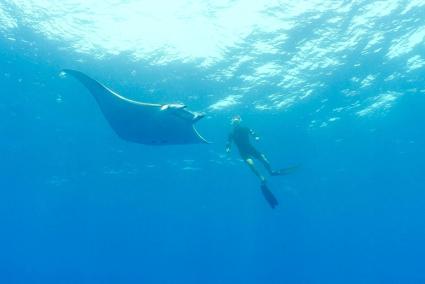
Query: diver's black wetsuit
(240,136)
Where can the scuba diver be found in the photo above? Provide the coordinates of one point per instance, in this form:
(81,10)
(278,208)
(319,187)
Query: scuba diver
(240,136)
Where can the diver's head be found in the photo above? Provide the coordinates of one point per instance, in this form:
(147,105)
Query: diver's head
(236,120)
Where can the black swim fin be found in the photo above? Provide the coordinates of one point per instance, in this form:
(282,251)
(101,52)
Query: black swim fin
(268,195)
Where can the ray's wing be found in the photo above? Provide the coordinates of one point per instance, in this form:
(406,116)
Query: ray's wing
(141,122)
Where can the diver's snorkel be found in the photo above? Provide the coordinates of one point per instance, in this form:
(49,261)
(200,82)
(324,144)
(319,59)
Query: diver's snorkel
(236,120)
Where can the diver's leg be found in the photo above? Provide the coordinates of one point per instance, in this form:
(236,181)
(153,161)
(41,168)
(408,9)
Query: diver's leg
(268,195)
(251,165)
(262,158)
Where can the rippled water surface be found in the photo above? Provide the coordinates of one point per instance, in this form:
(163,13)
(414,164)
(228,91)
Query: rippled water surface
(335,87)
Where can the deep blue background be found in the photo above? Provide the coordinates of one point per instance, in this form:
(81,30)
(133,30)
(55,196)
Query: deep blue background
(79,205)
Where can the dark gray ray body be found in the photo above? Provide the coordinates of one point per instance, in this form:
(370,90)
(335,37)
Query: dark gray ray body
(152,124)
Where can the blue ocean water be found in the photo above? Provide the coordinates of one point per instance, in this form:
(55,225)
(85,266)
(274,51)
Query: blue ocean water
(336,87)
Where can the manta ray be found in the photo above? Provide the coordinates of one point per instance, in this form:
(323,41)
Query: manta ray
(144,123)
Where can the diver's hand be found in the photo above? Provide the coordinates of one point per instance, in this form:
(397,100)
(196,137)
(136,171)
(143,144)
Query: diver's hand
(257,138)
(227,150)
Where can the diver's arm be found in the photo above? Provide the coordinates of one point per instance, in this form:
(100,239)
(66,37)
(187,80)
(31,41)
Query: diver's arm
(229,143)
